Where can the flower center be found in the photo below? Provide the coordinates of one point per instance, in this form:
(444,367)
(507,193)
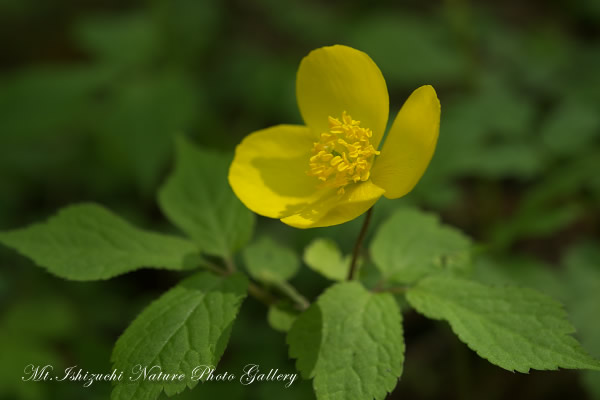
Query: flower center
(343,155)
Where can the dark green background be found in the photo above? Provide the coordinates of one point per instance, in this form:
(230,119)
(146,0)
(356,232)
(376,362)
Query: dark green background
(93,92)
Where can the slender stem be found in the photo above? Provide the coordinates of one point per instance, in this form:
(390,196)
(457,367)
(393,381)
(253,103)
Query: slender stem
(379,286)
(258,292)
(213,267)
(229,265)
(394,290)
(254,290)
(294,295)
(261,295)
(358,244)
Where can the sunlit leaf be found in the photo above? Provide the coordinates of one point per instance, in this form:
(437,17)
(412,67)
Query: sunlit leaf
(350,342)
(87,242)
(197,198)
(187,327)
(412,244)
(281,316)
(325,257)
(269,262)
(515,328)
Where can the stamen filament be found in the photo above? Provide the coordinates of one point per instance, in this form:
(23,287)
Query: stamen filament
(343,155)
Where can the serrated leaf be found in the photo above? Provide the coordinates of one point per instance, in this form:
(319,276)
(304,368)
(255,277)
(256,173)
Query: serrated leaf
(197,198)
(514,328)
(350,341)
(187,327)
(520,271)
(581,281)
(325,257)
(412,244)
(269,262)
(281,317)
(88,242)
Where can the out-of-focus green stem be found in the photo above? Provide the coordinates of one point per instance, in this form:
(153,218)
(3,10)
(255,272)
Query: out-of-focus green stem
(301,302)
(259,292)
(230,265)
(394,290)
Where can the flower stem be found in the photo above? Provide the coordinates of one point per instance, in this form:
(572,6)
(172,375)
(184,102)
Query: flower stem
(358,245)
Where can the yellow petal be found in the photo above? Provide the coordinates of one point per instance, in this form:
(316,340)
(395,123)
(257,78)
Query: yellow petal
(334,209)
(268,172)
(335,79)
(409,145)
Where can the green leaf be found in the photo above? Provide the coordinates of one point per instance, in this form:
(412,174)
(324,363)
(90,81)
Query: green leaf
(29,329)
(571,128)
(350,341)
(514,328)
(58,96)
(581,281)
(307,22)
(186,327)
(188,28)
(281,317)
(412,244)
(123,40)
(269,262)
(259,80)
(520,271)
(88,242)
(434,57)
(535,222)
(325,257)
(197,198)
(489,144)
(139,121)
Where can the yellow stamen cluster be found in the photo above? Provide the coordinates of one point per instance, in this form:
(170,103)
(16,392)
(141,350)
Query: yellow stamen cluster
(343,155)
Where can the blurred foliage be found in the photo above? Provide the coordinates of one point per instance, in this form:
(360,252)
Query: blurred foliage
(93,93)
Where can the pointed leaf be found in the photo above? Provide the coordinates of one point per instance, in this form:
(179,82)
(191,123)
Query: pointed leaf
(87,242)
(281,316)
(412,244)
(515,328)
(187,327)
(197,198)
(269,262)
(350,341)
(325,257)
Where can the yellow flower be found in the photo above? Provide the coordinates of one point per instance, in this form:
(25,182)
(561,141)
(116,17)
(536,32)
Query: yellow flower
(330,171)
